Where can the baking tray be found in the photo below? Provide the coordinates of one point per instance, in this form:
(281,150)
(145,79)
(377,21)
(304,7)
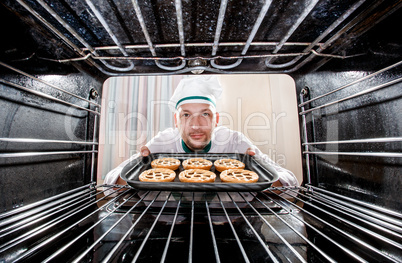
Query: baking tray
(131,172)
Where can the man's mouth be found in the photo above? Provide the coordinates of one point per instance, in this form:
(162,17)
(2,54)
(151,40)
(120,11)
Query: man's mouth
(197,136)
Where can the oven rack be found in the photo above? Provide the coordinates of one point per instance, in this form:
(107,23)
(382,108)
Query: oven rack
(91,107)
(309,108)
(278,225)
(76,39)
(47,83)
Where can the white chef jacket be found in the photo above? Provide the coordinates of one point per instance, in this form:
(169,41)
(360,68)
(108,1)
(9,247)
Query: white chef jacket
(223,140)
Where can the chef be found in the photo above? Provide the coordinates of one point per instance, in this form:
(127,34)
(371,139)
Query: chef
(196,130)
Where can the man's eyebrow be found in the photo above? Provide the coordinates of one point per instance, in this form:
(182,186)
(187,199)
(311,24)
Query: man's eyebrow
(207,110)
(200,111)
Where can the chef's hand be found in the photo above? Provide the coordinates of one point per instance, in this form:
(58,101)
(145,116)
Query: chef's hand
(250,151)
(144,151)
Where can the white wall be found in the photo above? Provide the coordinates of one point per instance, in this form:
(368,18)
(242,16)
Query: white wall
(264,108)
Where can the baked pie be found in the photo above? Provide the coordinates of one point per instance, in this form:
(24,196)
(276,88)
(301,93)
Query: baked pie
(224,164)
(197,163)
(169,163)
(238,176)
(197,176)
(157,175)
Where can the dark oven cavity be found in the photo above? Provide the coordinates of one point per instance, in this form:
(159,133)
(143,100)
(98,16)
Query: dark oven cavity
(345,58)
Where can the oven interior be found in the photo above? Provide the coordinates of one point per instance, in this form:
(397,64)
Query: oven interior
(345,58)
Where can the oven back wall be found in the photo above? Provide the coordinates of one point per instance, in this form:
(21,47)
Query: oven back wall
(33,170)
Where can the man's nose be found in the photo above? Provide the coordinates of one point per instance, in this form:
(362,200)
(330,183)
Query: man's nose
(196,122)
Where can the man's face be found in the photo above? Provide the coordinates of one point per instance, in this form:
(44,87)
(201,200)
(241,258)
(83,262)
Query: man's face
(196,121)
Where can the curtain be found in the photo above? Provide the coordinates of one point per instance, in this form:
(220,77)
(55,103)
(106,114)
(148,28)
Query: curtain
(134,109)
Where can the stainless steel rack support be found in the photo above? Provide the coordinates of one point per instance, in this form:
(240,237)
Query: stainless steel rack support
(303,112)
(291,200)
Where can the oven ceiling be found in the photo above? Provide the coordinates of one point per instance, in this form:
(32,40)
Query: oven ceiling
(131,37)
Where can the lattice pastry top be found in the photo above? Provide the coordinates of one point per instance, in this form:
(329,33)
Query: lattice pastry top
(197,163)
(224,164)
(238,176)
(170,163)
(197,176)
(157,175)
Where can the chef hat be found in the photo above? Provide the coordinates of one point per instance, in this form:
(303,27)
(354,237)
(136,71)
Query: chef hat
(200,89)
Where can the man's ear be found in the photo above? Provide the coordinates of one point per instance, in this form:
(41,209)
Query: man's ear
(175,120)
(217,119)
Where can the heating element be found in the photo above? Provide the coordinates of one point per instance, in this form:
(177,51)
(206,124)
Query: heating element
(304,224)
(131,37)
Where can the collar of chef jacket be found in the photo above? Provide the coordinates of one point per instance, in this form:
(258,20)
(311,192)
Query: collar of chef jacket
(188,150)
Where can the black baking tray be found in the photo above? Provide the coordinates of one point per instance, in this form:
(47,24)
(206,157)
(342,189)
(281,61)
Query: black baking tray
(131,172)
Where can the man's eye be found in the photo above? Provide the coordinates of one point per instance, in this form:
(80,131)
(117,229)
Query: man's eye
(205,114)
(186,115)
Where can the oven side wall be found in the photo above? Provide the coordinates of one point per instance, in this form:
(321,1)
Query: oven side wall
(34,170)
(376,114)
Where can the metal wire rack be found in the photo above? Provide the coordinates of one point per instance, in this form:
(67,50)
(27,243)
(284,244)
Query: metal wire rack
(91,107)
(315,105)
(126,54)
(294,224)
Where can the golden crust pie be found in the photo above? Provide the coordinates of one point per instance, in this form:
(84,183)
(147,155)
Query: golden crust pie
(169,163)
(224,164)
(238,176)
(197,163)
(197,176)
(157,175)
